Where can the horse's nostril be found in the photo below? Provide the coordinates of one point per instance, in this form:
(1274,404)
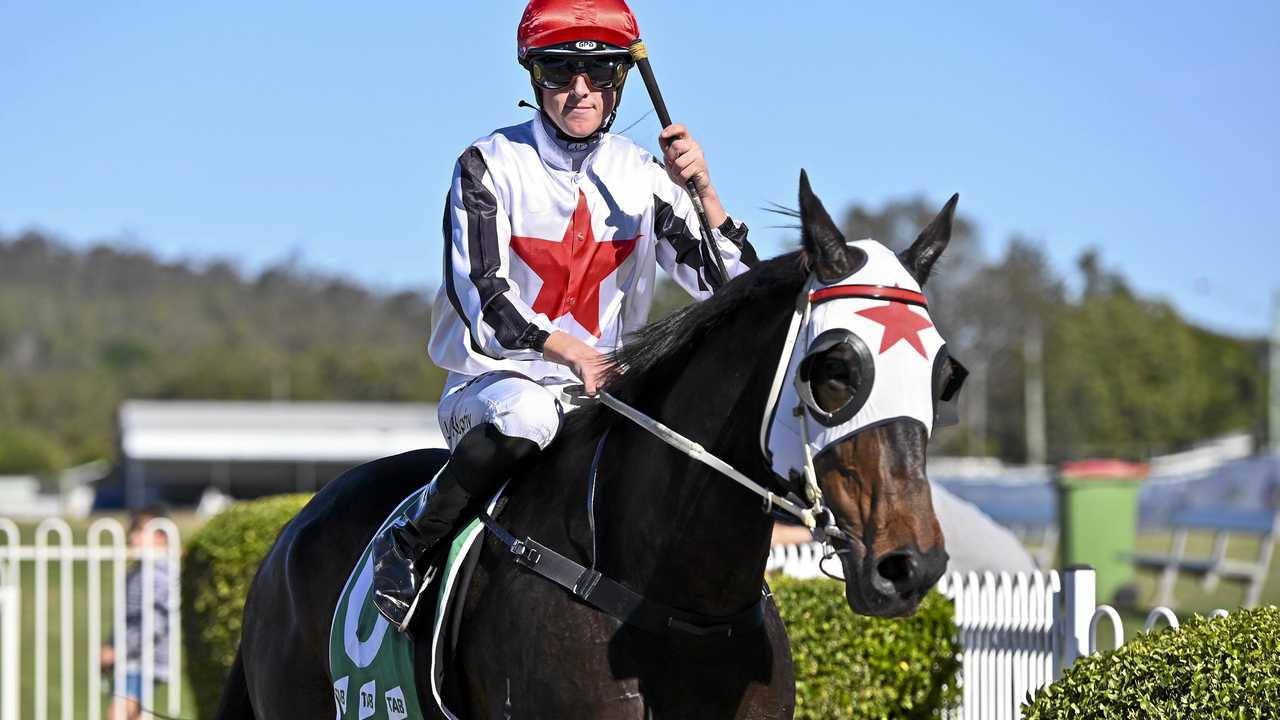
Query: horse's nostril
(897,567)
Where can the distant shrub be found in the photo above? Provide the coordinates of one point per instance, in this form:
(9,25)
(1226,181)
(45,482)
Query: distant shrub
(852,666)
(29,452)
(221,559)
(1223,668)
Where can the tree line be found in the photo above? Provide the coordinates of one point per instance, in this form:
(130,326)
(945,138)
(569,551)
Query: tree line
(83,329)
(1099,371)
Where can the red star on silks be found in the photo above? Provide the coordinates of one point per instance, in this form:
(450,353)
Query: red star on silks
(572,268)
(899,324)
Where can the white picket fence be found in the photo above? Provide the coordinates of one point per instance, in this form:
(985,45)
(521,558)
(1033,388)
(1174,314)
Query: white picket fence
(802,561)
(106,543)
(1017,631)
(9,599)
(1006,628)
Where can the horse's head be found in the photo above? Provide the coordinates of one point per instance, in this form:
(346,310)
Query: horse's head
(871,378)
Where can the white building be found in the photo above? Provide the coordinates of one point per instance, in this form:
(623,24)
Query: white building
(174,450)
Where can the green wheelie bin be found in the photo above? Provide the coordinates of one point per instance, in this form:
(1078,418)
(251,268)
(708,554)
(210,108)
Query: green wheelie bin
(1098,520)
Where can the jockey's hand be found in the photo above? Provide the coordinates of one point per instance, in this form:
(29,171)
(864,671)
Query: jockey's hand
(684,162)
(589,364)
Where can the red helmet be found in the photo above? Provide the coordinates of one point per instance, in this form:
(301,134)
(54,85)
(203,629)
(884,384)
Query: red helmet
(553,22)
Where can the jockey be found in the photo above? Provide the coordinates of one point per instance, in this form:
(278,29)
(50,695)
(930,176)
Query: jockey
(552,230)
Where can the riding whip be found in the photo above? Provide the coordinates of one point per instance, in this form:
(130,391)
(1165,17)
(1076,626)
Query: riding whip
(640,55)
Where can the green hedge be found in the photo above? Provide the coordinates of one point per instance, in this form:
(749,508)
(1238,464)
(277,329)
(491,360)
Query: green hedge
(1223,668)
(852,666)
(221,558)
(847,666)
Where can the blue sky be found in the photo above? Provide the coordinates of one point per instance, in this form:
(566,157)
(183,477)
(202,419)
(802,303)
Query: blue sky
(260,131)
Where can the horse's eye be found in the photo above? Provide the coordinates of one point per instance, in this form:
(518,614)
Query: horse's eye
(835,369)
(836,377)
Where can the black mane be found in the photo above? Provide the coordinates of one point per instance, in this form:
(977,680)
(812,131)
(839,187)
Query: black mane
(653,346)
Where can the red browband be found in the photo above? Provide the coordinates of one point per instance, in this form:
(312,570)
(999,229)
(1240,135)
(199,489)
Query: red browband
(869,292)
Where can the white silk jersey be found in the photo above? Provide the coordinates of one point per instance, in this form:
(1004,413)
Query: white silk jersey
(538,238)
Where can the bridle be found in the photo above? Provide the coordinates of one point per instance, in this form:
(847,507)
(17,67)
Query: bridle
(809,507)
(807,503)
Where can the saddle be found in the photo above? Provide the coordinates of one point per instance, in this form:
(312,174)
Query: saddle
(363,654)
(372,665)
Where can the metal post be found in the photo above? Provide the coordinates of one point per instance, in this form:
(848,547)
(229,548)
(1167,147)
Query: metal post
(173,546)
(148,557)
(8,647)
(1033,392)
(44,554)
(1273,427)
(1073,615)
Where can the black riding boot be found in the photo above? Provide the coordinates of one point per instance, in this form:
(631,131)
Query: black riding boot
(483,458)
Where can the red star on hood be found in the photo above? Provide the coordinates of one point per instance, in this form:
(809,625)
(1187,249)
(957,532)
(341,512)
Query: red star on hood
(899,324)
(572,268)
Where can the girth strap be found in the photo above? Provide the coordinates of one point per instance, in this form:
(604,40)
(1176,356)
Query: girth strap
(612,597)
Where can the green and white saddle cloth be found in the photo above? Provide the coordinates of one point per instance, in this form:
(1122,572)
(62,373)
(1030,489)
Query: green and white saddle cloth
(372,665)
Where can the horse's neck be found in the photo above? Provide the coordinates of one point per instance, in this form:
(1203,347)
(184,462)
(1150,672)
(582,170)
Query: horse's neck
(675,529)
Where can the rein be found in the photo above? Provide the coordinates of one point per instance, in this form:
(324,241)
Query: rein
(816,509)
(808,515)
(694,450)
(610,596)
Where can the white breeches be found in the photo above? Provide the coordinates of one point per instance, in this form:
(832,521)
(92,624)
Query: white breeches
(517,405)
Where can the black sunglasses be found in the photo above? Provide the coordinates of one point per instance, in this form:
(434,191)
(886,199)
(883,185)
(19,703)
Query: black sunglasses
(553,72)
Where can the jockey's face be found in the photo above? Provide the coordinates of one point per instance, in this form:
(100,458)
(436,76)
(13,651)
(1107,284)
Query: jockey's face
(578,109)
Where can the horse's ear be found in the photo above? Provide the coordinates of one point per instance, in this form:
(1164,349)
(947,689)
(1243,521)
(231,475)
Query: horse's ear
(828,254)
(925,251)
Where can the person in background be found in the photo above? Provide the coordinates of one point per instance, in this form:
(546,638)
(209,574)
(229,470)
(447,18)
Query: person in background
(126,703)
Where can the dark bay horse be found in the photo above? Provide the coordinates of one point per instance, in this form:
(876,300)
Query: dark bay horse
(666,526)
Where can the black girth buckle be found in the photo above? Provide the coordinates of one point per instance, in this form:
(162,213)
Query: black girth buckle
(525,554)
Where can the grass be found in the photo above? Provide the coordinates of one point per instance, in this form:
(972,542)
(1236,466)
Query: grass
(1189,595)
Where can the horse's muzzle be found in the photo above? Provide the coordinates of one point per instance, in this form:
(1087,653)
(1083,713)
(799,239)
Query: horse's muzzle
(894,583)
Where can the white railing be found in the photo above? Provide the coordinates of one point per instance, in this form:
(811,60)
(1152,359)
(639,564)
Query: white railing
(802,561)
(1005,627)
(106,542)
(8,646)
(1019,632)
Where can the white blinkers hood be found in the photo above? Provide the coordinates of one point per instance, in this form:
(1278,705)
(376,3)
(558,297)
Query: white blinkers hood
(879,311)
